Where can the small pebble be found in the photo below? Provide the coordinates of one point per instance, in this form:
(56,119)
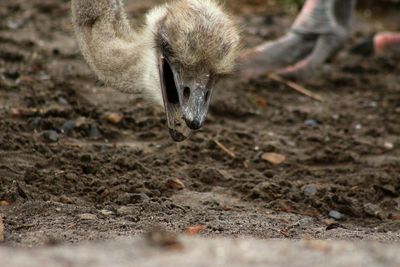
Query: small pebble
(81,121)
(51,136)
(36,122)
(388,145)
(44,76)
(71,177)
(63,101)
(305,222)
(86,158)
(336,116)
(372,104)
(336,215)
(94,132)
(371,209)
(106,212)
(310,189)
(311,123)
(128,210)
(13,25)
(103,148)
(67,126)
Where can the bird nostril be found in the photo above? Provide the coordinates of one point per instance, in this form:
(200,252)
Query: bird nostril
(186,92)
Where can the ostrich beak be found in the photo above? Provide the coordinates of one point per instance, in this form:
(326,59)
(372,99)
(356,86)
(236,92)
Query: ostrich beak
(195,101)
(186,101)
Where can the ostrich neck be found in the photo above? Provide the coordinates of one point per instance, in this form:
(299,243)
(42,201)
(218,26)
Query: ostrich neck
(122,58)
(128,66)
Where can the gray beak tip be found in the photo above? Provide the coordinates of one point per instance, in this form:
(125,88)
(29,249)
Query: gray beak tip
(195,124)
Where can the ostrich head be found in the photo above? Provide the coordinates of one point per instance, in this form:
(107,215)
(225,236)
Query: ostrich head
(197,43)
(176,59)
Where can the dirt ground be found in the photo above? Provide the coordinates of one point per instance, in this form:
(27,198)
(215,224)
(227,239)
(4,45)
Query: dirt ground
(79,161)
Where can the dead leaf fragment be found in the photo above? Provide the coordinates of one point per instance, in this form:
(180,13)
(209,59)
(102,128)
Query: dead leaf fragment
(113,117)
(260,101)
(246,164)
(175,184)
(87,217)
(274,158)
(21,112)
(15,112)
(194,230)
(4,203)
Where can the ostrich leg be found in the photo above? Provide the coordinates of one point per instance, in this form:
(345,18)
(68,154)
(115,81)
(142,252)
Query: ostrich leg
(330,20)
(319,31)
(277,54)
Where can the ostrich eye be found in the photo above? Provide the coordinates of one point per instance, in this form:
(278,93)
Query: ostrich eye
(212,80)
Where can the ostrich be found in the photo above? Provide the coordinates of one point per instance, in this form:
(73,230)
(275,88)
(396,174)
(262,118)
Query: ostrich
(173,61)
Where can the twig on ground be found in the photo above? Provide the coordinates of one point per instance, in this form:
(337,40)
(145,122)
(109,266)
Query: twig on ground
(224,148)
(1,228)
(296,87)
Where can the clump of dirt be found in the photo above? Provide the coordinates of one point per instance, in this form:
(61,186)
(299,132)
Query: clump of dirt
(70,173)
